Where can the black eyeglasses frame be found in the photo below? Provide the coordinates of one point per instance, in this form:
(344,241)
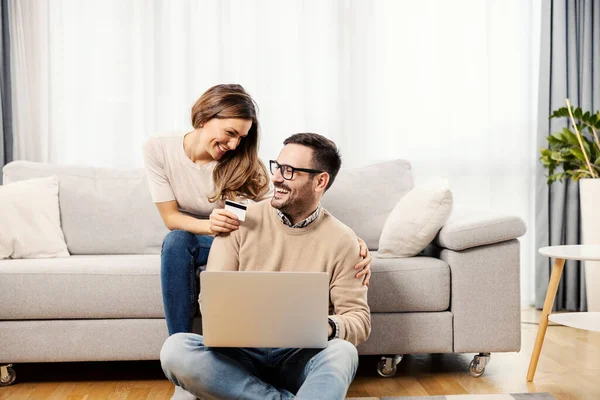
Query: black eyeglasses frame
(294,169)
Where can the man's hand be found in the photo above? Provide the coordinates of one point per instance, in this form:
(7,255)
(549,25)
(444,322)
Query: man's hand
(365,264)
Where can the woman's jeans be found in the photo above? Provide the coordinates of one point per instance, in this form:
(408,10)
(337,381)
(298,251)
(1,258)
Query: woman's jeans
(182,257)
(259,373)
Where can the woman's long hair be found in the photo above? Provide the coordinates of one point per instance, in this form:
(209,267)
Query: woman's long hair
(239,173)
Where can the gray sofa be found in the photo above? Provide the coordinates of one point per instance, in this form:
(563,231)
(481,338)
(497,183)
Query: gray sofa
(104,301)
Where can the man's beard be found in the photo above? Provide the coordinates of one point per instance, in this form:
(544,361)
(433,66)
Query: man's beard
(293,206)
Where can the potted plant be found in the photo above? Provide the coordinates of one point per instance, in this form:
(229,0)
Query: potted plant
(575,154)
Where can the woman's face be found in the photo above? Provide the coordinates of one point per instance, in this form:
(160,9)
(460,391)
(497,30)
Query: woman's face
(222,135)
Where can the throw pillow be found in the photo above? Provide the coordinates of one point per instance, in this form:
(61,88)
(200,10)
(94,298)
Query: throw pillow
(30,220)
(415,220)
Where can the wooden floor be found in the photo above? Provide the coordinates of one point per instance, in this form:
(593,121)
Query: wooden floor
(569,368)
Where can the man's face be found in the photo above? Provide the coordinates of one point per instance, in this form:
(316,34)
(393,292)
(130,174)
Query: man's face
(297,195)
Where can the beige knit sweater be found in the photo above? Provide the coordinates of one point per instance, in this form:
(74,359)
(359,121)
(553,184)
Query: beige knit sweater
(264,243)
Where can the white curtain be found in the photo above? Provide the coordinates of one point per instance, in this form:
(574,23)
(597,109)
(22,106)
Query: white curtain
(450,86)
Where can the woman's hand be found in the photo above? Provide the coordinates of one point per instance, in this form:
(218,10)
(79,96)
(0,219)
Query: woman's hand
(223,221)
(365,264)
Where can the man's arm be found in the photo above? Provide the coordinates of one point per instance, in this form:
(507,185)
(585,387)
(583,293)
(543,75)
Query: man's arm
(224,253)
(349,298)
(223,256)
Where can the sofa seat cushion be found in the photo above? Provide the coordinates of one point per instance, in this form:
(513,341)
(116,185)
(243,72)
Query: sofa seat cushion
(415,284)
(81,287)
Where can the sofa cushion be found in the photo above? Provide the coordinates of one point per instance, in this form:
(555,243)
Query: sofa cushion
(409,284)
(103,210)
(30,221)
(362,198)
(415,220)
(78,287)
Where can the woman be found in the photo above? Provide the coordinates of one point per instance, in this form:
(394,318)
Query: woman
(190,176)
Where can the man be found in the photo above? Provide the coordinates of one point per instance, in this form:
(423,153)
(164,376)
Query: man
(290,233)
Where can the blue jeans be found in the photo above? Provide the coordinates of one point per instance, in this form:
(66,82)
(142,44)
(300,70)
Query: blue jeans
(249,373)
(181,259)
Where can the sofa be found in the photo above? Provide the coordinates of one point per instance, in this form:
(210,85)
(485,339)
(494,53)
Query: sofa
(103,302)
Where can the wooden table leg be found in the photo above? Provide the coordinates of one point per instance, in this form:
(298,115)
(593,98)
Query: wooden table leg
(548,303)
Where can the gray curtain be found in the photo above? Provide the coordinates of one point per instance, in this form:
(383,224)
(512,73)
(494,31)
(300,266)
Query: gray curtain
(569,68)
(6,137)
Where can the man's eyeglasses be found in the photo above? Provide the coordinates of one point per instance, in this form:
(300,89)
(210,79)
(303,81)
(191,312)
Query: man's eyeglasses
(287,171)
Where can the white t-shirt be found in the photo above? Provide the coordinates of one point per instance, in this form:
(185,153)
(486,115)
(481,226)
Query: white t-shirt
(173,176)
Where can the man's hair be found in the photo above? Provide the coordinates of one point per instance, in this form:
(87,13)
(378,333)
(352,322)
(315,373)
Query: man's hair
(326,156)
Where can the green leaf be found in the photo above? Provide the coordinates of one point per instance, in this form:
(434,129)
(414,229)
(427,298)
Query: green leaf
(556,156)
(570,137)
(577,113)
(580,173)
(553,141)
(593,119)
(558,136)
(560,113)
(586,145)
(577,153)
(555,177)
(586,116)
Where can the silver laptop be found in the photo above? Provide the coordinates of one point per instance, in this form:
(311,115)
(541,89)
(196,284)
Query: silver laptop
(264,309)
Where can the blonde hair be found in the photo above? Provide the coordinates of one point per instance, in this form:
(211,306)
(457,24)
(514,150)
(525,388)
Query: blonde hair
(239,173)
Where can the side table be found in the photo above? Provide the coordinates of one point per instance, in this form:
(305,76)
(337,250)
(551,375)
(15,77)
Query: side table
(581,320)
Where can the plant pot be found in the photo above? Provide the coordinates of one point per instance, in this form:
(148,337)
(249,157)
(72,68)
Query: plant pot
(589,194)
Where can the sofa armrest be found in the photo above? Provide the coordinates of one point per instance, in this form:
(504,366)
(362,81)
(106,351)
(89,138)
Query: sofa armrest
(472,228)
(486,297)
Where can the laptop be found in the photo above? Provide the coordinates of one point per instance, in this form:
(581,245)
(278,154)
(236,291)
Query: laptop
(264,309)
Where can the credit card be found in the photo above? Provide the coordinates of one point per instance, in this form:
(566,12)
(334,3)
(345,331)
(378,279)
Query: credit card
(238,209)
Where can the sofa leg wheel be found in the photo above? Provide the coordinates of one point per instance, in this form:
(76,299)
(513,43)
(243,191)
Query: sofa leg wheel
(7,375)
(388,366)
(477,366)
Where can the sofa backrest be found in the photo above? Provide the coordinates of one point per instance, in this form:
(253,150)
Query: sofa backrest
(102,210)
(110,211)
(363,197)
